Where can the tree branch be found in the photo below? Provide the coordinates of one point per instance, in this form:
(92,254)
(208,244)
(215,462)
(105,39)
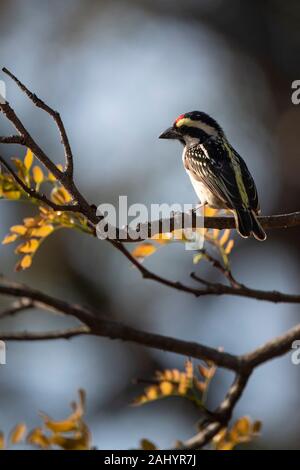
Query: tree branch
(95,324)
(34,194)
(55,115)
(100,326)
(82,206)
(47,335)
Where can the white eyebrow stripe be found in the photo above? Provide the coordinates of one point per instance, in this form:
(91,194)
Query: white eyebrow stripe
(199,124)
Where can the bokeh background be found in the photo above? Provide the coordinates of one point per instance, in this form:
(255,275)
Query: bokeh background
(120,72)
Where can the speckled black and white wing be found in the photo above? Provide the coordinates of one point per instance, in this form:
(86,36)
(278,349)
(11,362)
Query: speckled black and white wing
(223,172)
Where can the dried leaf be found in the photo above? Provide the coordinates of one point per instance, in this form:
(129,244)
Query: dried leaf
(79,442)
(18,433)
(147,445)
(66,425)
(256,428)
(38,438)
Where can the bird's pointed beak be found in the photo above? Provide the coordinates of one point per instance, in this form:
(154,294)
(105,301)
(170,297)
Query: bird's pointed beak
(170,133)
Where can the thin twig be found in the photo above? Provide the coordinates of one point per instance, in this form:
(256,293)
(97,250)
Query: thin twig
(47,335)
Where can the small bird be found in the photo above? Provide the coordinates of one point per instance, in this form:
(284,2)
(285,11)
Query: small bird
(218,174)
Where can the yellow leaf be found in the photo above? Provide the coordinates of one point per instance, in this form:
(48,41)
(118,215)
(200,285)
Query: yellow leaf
(242,426)
(189,369)
(20,167)
(198,257)
(229,247)
(19,229)
(215,232)
(224,238)
(2,441)
(66,425)
(29,222)
(28,247)
(61,196)
(9,239)
(38,175)
(226,445)
(201,386)
(167,374)
(12,195)
(38,438)
(51,177)
(147,445)
(220,436)
(143,250)
(162,237)
(28,159)
(151,393)
(166,388)
(176,375)
(209,211)
(18,433)
(42,231)
(204,371)
(25,263)
(183,384)
(81,442)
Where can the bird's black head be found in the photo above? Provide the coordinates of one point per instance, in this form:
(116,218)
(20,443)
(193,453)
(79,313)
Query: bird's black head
(192,127)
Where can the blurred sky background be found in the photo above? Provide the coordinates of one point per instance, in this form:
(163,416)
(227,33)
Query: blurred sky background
(120,72)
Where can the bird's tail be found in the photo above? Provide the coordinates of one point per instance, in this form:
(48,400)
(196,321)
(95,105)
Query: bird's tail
(247,223)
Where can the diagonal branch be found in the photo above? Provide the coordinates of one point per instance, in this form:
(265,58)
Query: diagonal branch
(220,417)
(82,206)
(55,115)
(95,324)
(34,194)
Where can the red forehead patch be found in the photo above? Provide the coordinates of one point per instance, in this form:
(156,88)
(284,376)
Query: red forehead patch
(179,118)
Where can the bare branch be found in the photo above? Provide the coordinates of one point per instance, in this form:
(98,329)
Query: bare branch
(281,221)
(220,417)
(12,139)
(55,115)
(17,307)
(97,325)
(47,335)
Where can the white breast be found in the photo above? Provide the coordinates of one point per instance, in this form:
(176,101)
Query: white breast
(200,189)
